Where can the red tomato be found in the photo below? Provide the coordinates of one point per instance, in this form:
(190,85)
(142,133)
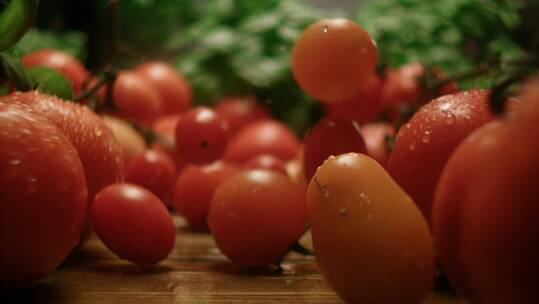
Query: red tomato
(60,61)
(166,126)
(331,57)
(330,136)
(194,189)
(99,152)
(375,140)
(266,161)
(240,111)
(171,152)
(43,195)
(365,106)
(130,141)
(173,89)
(201,136)
(424,144)
(486,209)
(135,98)
(255,215)
(266,136)
(133,223)
(154,171)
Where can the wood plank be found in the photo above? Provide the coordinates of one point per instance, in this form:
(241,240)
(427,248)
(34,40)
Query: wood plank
(195,272)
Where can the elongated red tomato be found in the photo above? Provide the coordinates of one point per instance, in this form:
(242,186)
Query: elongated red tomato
(330,136)
(255,215)
(424,144)
(330,58)
(43,196)
(486,209)
(133,223)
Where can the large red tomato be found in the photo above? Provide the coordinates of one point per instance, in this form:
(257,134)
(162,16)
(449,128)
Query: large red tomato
(266,136)
(173,89)
(58,60)
(424,144)
(43,195)
(98,150)
(486,209)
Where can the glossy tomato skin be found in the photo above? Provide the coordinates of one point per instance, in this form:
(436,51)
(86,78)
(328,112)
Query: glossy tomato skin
(486,209)
(130,141)
(154,171)
(331,57)
(255,215)
(133,223)
(366,104)
(371,242)
(426,142)
(43,197)
(135,98)
(266,161)
(375,140)
(60,61)
(174,90)
(194,190)
(330,136)
(266,136)
(240,111)
(99,152)
(201,136)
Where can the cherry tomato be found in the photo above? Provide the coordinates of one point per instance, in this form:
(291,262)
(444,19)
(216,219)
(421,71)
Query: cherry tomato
(486,209)
(43,197)
(154,171)
(133,223)
(424,144)
(130,141)
(166,126)
(266,161)
(194,189)
(135,98)
(201,136)
(99,152)
(173,89)
(255,215)
(331,57)
(263,137)
(365,106)
(330,136)
(61,61)
(240,111)
(371,242)
(375,140)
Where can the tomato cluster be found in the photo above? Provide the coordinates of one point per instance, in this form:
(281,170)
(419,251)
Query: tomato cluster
(393,177)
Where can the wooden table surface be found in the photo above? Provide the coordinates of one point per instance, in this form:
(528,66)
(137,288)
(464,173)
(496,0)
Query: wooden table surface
(195,272)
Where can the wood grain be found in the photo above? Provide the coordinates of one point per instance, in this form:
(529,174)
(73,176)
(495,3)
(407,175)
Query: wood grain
(195,272)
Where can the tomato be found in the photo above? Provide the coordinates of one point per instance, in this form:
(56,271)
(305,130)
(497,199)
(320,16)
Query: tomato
(98,150)
(135,98)
(330,136)
(133,223)
(201,136)
(194,189)
(266,161)
(256,215)
(331,57)
(365,106)
(154,171)
(240,111)
(61,61)
(424,144)
(166,126)
(266,136)
(173,89)
(486,209)
(375,140)
(371,242)
(130,141)
(43,196)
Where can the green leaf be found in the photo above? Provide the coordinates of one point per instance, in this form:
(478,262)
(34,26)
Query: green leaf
(12,68)
(72,42)
(49,81)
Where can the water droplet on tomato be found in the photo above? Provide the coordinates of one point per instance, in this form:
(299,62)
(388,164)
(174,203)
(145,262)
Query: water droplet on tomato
(325,28)
(343,212)
(411,146)
(426,137)
(449,119)
(14,162)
